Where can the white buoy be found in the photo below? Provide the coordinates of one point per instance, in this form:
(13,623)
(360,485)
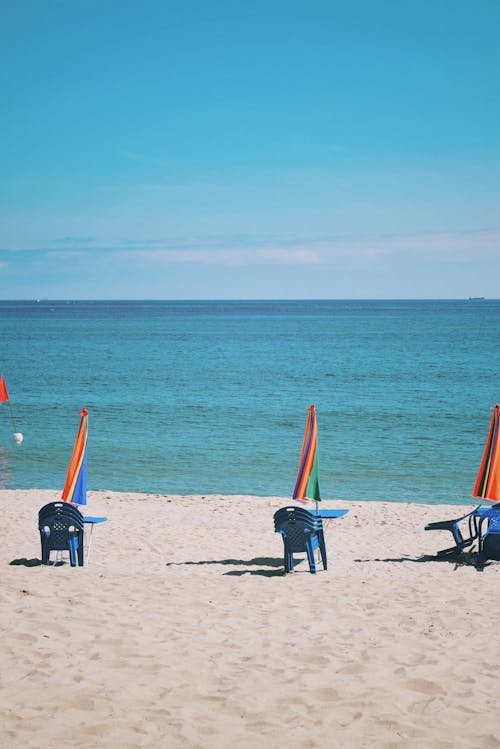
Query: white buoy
(18,437)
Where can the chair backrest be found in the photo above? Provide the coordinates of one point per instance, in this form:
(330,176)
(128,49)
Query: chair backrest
(294,523)
(489,543)
(494,520)
(60,506)
(295,515)
(61,519)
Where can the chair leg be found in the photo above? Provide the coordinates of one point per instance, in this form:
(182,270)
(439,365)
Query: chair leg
(45,554)
(80,549)
(72,550)
(322,548)
(286,556)
(310,556)
(480,558)
(44,541)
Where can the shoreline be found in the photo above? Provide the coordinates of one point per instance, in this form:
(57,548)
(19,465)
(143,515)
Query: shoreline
(97,494)
(183,631)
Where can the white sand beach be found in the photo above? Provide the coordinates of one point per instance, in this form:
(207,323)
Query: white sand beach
(183,631)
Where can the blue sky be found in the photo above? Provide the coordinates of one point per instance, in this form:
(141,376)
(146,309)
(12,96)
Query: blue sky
(249,149)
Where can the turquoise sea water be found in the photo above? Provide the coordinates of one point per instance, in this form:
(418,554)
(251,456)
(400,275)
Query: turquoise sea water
(210,397)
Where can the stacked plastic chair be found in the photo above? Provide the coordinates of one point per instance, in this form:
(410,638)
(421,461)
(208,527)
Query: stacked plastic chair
(301,531)
(61,529)
(489,541)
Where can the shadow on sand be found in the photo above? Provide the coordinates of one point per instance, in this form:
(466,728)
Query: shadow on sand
(457,560)
(255,562)
(23,562)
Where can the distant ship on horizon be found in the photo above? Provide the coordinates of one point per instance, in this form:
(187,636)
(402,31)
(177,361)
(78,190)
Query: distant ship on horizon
(476,298)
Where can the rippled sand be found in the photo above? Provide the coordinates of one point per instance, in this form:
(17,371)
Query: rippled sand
(184,632)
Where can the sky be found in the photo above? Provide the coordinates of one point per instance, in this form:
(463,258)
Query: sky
(249,149)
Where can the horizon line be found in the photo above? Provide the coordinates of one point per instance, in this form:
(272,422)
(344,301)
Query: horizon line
(41,300)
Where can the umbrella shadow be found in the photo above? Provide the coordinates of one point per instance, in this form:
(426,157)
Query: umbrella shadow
(24,562)
(255,562)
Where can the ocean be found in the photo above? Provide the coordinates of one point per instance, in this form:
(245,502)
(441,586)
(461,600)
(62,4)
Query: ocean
(207,397)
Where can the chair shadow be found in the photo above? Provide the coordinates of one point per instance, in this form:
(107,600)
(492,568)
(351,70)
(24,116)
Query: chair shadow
(458,560)
(255,562)
(23,562)
(262,573)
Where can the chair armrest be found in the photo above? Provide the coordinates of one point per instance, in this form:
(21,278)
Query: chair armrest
(453,527)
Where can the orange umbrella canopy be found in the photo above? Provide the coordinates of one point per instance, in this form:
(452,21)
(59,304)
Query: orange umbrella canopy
(488,479)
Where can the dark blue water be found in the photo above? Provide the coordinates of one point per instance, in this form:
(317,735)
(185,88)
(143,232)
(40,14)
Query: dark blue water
(210,397)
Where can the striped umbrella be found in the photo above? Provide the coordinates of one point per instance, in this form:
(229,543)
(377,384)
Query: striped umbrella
(488,479)
(75,488)
(307,481)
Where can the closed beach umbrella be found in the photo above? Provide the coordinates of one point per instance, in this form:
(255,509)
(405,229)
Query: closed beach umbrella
(307,481)
(488,479)
(75,488)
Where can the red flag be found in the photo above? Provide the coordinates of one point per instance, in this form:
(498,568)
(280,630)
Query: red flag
(4,396)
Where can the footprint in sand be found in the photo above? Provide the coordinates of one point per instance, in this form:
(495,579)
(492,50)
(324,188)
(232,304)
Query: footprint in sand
(424,686)
(325,694)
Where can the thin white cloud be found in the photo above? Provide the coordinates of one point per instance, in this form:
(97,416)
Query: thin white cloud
(67,255)
(247,250)
(226,257)
(289,256)
(367,249)
(440,242)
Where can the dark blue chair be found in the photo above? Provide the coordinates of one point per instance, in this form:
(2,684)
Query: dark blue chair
(301,531)
(61,529)
(453,526)
(489,541)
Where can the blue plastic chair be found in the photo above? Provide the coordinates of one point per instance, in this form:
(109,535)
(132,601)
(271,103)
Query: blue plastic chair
(489,541)
(301,531)
(461,541)
(61,529)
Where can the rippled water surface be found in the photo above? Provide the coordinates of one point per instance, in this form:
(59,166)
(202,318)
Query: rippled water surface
(210,397)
